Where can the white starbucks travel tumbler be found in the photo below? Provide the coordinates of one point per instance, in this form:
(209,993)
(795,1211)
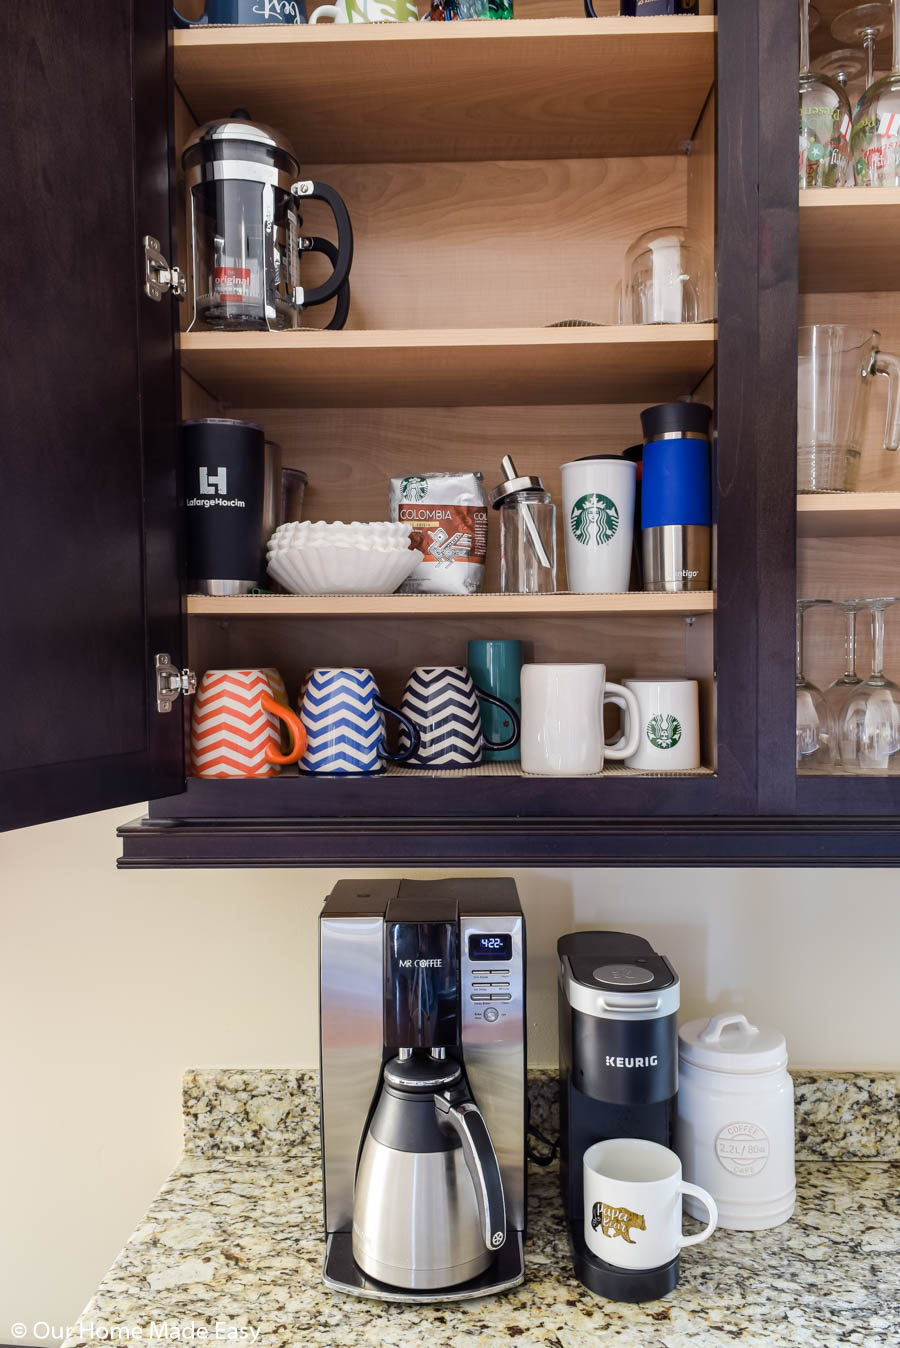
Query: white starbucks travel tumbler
(598,523)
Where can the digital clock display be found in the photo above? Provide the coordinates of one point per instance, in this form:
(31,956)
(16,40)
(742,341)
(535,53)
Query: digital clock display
(490,946)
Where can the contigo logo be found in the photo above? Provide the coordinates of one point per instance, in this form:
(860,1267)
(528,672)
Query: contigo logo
(421,964)
(652,1061)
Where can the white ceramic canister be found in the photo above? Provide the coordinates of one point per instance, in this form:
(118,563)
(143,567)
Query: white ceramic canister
(735,1130)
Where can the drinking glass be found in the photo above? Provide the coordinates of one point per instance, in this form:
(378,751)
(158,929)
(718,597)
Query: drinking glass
(816,751)
(869,728)
(825,121)
(864,25)
(875,139)
(840,690)
(666,279)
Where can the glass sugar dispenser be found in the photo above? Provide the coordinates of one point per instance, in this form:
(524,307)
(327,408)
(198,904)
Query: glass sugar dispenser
(527,533)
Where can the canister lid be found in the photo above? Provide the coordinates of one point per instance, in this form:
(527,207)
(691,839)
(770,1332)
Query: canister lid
(729,1043)
(672,418)
(513,484)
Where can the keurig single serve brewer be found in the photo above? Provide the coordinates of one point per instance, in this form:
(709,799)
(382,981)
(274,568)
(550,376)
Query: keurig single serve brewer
(423,1087)
(618,1067)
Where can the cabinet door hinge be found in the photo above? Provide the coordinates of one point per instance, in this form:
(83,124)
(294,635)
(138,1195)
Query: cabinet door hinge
(172,682)
(158,275)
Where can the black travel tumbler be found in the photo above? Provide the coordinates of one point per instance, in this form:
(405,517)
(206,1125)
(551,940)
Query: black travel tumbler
(223,481)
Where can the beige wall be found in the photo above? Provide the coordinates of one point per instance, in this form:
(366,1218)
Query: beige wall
(112,983)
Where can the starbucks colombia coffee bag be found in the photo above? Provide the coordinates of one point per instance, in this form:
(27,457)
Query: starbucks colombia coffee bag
(448,514)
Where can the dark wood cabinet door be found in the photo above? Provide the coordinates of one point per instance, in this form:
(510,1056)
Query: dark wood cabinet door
(87,410)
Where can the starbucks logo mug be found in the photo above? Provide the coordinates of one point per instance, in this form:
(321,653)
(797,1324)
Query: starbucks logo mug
(598,523)
(669,725)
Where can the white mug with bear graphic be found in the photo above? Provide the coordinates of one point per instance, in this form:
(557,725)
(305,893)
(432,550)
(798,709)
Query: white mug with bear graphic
(598,523)
(669,720)
(632,1203)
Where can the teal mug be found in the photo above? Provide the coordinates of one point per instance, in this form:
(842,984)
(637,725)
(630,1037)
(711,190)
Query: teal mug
(496,666)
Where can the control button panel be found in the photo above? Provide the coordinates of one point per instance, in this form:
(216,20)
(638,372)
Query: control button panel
(491,979)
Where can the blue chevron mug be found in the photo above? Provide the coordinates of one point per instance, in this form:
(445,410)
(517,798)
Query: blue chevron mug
(442,702)
(343,714)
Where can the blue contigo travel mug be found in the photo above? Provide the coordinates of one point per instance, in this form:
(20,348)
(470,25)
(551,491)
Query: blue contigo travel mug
(676,503)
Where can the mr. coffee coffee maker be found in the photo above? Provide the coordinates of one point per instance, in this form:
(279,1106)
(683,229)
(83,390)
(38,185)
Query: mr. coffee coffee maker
(244,195)
(423,1087)
(618,1070)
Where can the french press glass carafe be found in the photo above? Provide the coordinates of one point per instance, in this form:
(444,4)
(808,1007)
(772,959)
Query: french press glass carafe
(243,210)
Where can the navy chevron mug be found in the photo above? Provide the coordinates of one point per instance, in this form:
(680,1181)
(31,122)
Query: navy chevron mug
(442,702)
(343,714)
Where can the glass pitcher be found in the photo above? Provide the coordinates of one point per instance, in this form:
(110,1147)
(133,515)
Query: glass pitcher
(836,367)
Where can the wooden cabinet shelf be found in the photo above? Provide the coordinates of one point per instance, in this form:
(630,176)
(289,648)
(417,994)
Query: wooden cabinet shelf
(523,89)
(869,514)
(848,239)
(475,367)
(445,606)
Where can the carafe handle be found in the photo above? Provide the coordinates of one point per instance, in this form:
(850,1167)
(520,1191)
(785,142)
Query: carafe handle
(889,365)
(468,1123)
(335,203)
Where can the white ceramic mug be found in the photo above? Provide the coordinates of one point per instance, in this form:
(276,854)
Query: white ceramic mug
(632,1203)
(367,11)
(598,522)
(562,720)
(669,725)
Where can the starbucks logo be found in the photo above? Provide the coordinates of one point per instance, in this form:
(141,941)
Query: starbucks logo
(413,489)
(664,732)
(594,519)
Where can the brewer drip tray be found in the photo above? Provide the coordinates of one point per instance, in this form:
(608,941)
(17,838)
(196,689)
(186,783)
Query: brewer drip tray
(619,1284)
(342,1274)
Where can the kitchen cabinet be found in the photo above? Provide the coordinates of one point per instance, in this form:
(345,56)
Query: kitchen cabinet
(495,174)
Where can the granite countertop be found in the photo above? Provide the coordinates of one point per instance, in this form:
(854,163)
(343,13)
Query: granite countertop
(231,1250)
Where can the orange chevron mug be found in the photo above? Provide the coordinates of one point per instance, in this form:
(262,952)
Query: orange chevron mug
(236,725)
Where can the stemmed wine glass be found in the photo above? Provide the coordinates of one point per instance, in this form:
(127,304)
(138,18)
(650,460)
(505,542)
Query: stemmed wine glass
(845,66)
(815,724)
(875,139)
(864,25)
(824,122)
(840,690)
(869,728)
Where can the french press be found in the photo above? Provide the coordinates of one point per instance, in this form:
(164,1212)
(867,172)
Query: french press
(243,210)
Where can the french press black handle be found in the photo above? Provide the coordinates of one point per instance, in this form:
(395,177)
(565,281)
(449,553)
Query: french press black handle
(335,203)
(316,244)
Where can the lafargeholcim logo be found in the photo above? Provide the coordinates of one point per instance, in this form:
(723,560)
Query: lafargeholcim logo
(413,489)
(594,519)
(213,486)
(664,732)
